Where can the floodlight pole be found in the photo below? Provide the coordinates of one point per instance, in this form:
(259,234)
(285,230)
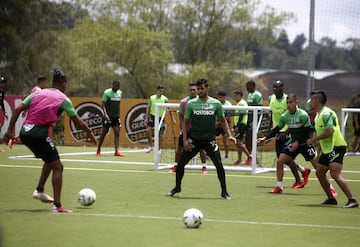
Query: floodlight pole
(311,55)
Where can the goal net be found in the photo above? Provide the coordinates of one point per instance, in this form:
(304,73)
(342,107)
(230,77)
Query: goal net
(164,153)
(347,130)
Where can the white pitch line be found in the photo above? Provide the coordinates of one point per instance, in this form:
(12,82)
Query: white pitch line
(356,228)
(141,171)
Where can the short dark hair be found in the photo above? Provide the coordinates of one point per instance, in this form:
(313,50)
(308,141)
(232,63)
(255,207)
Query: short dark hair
(116,81)
(192,84)
(202,81)
(160,87)
(41,78)
(292,95)
(322,96)
(221,93)
(250,83)
(238,92)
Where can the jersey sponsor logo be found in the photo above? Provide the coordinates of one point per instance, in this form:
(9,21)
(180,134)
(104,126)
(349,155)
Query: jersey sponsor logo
(135,124)
(91,113)
(203,112)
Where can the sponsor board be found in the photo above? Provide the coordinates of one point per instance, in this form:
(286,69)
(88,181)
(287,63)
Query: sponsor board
(135,124)
(91,113)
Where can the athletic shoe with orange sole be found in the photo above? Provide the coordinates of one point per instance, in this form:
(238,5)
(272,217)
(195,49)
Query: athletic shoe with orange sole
(119,154)
(204,170)
(60,210)
(306,174)
(297,185)
(276,190)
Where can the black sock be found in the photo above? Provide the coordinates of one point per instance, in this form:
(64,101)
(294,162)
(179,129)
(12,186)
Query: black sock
(57,204)
(40,189)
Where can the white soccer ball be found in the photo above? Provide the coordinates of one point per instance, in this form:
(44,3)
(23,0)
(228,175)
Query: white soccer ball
(193,218)
(86,197)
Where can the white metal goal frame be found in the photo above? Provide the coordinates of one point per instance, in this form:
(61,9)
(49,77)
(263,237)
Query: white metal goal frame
(344,117)
(257,111)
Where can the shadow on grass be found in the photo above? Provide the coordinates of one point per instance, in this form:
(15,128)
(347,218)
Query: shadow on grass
(195,198)
(26,210)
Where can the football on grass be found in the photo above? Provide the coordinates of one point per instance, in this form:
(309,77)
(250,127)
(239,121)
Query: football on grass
(193,218)
(86,197)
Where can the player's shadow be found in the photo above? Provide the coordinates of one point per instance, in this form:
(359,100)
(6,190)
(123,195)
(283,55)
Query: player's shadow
(196,198)
(26,210)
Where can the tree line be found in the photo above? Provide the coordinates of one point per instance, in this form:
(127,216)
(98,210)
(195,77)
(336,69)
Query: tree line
(97,41)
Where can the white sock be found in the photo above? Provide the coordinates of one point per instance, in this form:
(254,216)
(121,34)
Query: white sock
(203,164)
(331,187)
(280,184)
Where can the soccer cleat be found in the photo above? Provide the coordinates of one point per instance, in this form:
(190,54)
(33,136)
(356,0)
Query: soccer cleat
(204,170)
(60,210)
(42,196)
(98,152)
(237,162)
(333,192)
(2,150)
(306,174)
(173,192)
(352,203)
(225,196)
(247,161)
(297,185)
(276,190)
(148,149)
(329,201)
(117,153)
(173,169)
(11,143)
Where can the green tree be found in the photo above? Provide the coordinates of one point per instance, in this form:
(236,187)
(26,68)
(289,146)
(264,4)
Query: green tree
(29,30)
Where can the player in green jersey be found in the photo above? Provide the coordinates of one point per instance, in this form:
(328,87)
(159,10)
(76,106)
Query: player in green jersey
(149,121)
(202,112)
(278,105)
(298,123)
(221,96)
(111,106)
(254,99)
(333,148)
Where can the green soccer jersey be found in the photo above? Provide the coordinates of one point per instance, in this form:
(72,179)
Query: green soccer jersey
(112,102)
(278,107)
(203,115)
(255,98)
(155,99)
(327,119)
(241,115)
(298,125)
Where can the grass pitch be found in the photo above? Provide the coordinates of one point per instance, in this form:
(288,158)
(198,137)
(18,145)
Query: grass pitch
(131,208)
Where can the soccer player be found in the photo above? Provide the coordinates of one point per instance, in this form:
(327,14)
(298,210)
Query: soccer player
(34,133)
(111,107)
(42,82)
(149,121)
(298,123)
(240,127)
(333,148)
(254,99)
(278,105)
(2,97)
(180,146)
(202,112)
(221,96)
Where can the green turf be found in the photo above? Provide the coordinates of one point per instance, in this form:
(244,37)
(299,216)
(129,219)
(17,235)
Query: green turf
(131,209)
